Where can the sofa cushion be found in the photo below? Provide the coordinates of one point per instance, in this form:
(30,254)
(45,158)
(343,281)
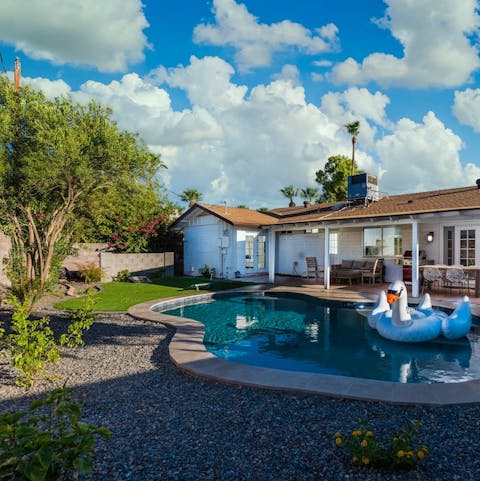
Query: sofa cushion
(358,264)
(347,264)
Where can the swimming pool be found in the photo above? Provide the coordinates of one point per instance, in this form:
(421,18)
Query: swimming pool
(299,333)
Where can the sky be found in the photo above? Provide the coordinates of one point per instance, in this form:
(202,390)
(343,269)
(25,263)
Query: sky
(242,98)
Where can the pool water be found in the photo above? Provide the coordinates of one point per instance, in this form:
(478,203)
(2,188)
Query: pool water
(329,337)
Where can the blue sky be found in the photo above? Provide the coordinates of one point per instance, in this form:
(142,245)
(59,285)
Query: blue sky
(244,98)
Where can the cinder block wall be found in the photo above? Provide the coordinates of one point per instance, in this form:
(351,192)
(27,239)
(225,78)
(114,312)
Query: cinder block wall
(112,264)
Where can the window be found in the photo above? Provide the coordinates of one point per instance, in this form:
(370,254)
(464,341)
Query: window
(382,241)
(333,241)
(249,251)
(467,247)
(261,251)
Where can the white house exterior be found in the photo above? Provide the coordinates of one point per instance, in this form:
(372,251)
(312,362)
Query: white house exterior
(228,239)
(444,224)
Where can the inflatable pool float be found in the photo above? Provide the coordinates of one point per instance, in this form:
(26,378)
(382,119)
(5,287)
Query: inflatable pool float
(395,320)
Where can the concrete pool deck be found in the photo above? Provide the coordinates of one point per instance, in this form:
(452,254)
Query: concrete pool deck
(188,352)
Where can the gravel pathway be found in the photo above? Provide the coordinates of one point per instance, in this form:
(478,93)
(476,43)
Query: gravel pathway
(167,425)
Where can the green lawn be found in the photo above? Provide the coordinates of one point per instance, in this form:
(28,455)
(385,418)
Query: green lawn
(119,296)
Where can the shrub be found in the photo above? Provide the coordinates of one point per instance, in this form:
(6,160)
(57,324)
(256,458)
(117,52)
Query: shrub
(48,446)
(82,320)
(403,452)
(31,344)
(206,271)
(123,276)
(91,272)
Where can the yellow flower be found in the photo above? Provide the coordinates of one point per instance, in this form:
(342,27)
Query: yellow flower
(400,454)
(364,443)
(338,441)
(356,433)
(420,454)
(369,434)
(365,460)
(338,435)
(425,449)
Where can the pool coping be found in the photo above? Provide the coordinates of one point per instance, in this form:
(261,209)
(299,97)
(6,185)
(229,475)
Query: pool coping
(188,352)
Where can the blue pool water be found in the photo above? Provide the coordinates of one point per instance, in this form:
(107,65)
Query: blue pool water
(300,334)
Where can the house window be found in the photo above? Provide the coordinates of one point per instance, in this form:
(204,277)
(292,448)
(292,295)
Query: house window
(261,251)
(333,241)
(382,241)
(249,251)
(467,247)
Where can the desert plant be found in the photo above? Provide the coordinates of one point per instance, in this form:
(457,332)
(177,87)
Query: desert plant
(403,452)
(91,272)
(82,320)
(31,344)
(123,276)
(49,446)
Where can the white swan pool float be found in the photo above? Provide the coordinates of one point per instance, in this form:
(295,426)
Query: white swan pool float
(395,320)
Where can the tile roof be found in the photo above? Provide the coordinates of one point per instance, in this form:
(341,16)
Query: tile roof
(462,198)
(239,216)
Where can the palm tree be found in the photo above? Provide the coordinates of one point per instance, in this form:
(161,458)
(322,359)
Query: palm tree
(191,196)
(290,192)
(353,128)
(310,194)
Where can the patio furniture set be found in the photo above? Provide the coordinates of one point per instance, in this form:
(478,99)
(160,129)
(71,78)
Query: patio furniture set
(350,271)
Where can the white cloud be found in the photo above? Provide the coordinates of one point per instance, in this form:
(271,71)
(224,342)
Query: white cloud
(244,146)
(105,34)
(466,108)
(435,38)
(255,42)
(422,156)
(51,88)
(358,104)
(206,81)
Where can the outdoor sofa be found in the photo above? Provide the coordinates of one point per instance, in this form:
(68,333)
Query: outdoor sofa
(357,270)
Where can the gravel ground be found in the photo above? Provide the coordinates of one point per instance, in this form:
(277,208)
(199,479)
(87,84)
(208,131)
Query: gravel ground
(168,425)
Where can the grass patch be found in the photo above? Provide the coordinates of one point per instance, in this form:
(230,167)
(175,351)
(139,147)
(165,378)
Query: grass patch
(119,296)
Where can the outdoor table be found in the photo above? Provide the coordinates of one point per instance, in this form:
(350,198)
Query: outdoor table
(475,269)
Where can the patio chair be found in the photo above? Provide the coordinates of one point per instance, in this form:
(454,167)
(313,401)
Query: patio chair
(455,278)
(374,272)
(312,268)
(431,277)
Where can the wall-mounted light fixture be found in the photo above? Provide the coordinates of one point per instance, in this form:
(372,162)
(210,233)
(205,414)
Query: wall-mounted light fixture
(430,237)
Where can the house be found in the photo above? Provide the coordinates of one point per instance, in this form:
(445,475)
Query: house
(442,225)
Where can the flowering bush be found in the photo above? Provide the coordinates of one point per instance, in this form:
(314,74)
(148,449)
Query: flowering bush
(403,452)
(134,235)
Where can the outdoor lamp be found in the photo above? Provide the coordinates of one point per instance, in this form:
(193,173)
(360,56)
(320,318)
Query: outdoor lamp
(430,237)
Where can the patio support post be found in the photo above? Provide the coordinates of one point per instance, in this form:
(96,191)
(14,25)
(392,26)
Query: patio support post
(272,235)
(415,252)
(326,259)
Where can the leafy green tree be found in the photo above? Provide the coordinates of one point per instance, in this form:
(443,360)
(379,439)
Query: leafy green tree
(56,159)
(191,196)
(310,194)
(353,129)
(290,192)
(333,178)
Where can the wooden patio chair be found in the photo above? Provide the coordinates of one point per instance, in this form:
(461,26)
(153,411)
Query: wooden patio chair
(374,273)
(312,268)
